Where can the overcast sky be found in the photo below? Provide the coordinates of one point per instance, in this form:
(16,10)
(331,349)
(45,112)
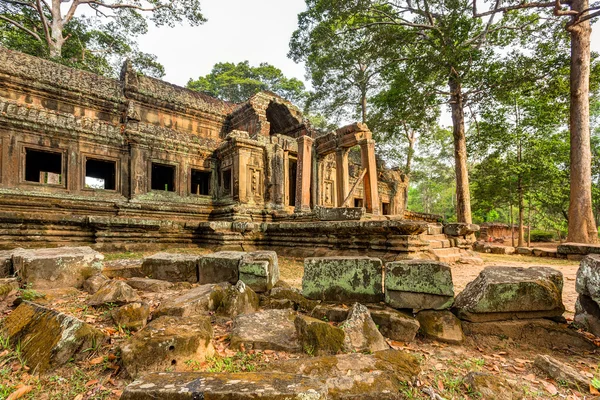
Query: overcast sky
(237,30)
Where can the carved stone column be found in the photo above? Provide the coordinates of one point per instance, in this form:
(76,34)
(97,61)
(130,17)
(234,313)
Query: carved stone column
(367,155)
(303,173)
(342,174)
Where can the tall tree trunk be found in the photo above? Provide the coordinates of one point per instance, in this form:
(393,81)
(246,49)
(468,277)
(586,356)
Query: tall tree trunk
(463,195)
(363,106)
(55,39)
(411,150)
(582,226)
(521,236)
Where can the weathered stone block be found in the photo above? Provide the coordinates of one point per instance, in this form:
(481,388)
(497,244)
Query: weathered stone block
(48,338)
(259,270)
(418,284)
(57,267)
(339,213)
(238,299)
(538,332)
(167,343)
(149,285)
(491,387)
(381,375)
(502,250)
(6,263)
(171,267)
(394,324)
(502,293)
(460,229)
(343,279)
(8,286)
(195,301)
(318,337)
(561,372)
(588,277)
(361,333)
(293,295)
(265,330)
(578,248)
(231,386)
(524,251)
(114,292)
(222,266)
(441,325)
(132,316)
(587,314)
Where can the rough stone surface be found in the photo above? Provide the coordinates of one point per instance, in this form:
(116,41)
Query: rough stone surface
(222,266)
(381,375)
(116,292)
(578,249)
(361,333)
(502,293)
(49,339)
(290,295)
(490,387)
(265,330)
(94,283)
(238,299)
(587,314)
(7,287)
(418,284)
(132,316)
(588,277)
(524,251)
(57,267)
(394,324)
(561,372)
(6,263)
(537,332)
(441,325)
(167,343)
(149,285)
(339,213)
(171,267)
(344,279)
(318,337)
(231,386)
(259,270)
(460,229)
(195,301)
(502,250)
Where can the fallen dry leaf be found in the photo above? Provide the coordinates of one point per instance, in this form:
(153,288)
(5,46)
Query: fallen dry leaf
(20,392)
(78,397)
(92,382)
(550,388)
(593,390)
(97,360)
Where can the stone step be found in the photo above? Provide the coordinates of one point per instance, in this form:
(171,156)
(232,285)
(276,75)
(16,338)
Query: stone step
(234,386)
(435,229)
(447,251)
(437,236)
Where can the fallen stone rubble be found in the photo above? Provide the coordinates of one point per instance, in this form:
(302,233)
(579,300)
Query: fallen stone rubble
(348,306)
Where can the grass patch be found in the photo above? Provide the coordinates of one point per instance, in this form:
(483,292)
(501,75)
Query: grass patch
(491,258)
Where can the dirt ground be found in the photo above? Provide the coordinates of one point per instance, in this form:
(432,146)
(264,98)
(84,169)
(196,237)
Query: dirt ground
(444,366)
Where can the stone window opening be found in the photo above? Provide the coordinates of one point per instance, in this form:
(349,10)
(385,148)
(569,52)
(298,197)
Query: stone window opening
(200,182)
(226,183)
(100,174)
(43,167)
(358,202)
(163,177)
(385,208)
(292,176)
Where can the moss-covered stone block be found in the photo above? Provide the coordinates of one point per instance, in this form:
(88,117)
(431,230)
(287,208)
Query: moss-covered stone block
(133,316)
(343,279)
(318,337)
(194,301)
(114,292)
(56,267)
(504,293)
(222,266)
(167,343)
(238,299)
(259,270)
(418,284)
(47,338)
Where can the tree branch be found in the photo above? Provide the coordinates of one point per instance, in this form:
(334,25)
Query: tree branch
(22,27)
(44,20)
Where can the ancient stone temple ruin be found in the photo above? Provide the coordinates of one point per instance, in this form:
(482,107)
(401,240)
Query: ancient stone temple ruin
(136,161)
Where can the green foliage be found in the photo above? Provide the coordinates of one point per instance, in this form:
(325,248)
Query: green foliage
(29,294)
(541,236)
(238,82)
(97,42)
(240,362)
